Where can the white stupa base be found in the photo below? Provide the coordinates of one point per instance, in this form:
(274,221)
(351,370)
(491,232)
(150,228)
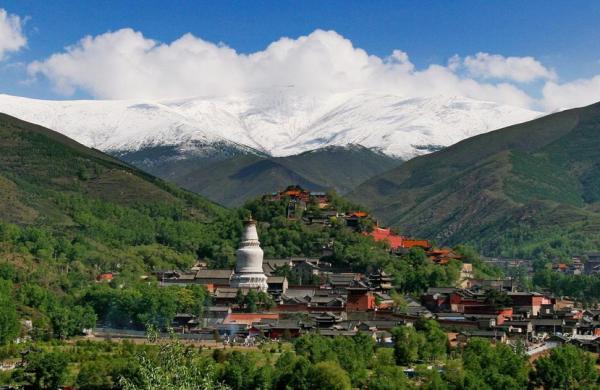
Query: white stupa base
(254,281)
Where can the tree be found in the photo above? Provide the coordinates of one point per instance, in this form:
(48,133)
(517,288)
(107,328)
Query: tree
(566,367)
(70,321)
(497,298)
(314,347)
(43,370)
(250,301)
(329,376)
(400,303)
(239,297)
(353,355)
(384,357)
(406,344)
(239,371)
(175,367)
(293,372)
(265,300)
(263,378)
(9,320)
(431,378)
(94,376)
(388,378)
(435,344)
(454,373)
(493,367)
(158,306)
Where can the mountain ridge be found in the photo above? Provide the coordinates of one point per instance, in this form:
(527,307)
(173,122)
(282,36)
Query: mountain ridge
(232,181)
(502,188)
(39,165)
(277,122)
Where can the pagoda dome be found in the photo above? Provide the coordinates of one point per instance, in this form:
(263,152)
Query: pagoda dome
(249,255)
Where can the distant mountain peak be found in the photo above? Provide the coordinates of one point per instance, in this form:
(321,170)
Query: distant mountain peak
(278,122)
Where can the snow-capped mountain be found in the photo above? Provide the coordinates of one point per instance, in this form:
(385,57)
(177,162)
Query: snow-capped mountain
(279,123)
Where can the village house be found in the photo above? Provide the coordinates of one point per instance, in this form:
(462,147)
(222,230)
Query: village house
(216,277)
(326,302)
(302,267)
(227,295)
(592,265)
(340,281)
(523,327)
(217,311)
(280,328)
(360,297)
(442,256)
(320,198)
(176,278)
(327,320)
(338,303)
(529,302)
(298,201)
(507,285)
(354,219)
(249,318)
(278,285)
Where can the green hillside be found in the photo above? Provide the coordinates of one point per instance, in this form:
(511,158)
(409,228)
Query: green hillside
(528,190)
(234,180)
(70,214)
(65,203)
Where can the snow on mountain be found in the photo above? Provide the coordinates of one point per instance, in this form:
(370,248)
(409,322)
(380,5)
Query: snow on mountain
(279,122)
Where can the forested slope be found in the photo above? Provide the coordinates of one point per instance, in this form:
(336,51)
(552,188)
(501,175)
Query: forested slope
(527,190)
(242,176)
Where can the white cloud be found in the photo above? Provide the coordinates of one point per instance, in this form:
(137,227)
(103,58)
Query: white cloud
(11,34)
(125,64)
(572,94)
(519,69)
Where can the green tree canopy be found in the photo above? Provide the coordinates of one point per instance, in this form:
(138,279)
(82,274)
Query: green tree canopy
(406,344)
(494,367)
(328,376)
(566,367)
(43,370)
(9,320)
(388,378)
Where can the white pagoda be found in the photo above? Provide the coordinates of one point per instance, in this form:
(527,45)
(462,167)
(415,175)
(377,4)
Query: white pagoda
(249,263)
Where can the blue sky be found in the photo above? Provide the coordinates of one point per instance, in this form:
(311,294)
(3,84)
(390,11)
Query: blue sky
(564,37)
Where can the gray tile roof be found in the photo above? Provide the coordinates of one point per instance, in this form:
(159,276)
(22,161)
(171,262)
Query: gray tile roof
(214,274)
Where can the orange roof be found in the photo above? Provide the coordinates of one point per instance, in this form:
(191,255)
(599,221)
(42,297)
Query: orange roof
(359,214)
(408,243)
(396,241)
(106,276)
(249,318)
(381,234)
(439,252)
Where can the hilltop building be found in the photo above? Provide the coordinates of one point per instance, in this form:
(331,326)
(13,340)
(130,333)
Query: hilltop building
(249,263)
(396,242)
(299,199)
